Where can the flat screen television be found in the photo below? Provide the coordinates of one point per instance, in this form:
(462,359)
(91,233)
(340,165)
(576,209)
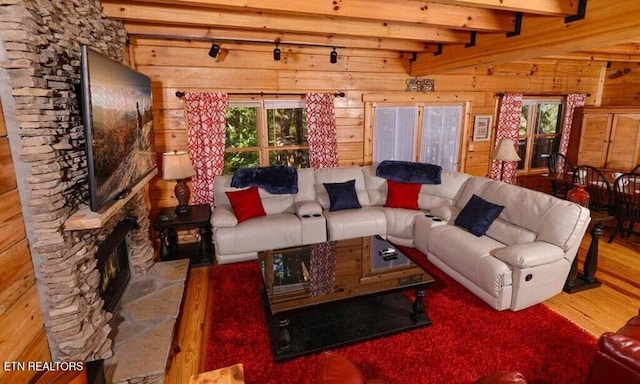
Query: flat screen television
(118,127)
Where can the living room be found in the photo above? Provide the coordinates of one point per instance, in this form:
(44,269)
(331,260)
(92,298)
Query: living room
(171,45)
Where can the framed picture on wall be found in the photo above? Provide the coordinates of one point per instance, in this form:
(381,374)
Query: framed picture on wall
(482,127)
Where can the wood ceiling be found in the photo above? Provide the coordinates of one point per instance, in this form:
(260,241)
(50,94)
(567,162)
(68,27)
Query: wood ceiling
(443,34)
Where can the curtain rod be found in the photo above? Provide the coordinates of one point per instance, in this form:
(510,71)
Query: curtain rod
(500,94)
(180,94)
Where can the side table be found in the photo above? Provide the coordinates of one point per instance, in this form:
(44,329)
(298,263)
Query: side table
(577,282)
(198,217)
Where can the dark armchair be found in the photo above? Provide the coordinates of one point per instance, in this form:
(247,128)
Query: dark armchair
(557,163)
(595,182)
(618,357)
(626,204)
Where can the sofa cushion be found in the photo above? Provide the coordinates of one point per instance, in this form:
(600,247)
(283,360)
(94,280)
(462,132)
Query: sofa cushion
(477,215)
(246,203)
(353,223)
(259,234)
(339,175)
(222,216)
(509,234)
(400,221)
(471,257)
(402,195)
(445,194)
(342,195)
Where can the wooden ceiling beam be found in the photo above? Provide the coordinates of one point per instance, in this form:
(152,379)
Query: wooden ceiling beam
(277,22)
(442,15)
(190,32)
(539,7)
(603,25)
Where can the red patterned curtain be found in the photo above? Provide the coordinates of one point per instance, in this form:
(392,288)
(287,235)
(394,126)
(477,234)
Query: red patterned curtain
(508,127)
(574,100)
(321,131)
(322,269)
(206,136)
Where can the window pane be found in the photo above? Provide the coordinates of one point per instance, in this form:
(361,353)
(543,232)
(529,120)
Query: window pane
(542,147)
(522,151)
(524,117)
(241,127)
(287,126)
(548,119)
(440,136)
(393,133)
(235,160)
(296,158)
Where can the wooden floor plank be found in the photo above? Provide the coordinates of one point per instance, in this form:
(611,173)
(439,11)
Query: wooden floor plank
(598,310)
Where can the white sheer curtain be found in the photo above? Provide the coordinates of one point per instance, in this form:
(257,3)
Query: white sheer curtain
(441,136)
(393,133)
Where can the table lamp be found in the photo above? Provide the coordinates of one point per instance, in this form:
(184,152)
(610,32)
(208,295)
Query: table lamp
(177,166)
(506,152)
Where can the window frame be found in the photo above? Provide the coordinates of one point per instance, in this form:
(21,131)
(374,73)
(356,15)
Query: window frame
(532,123)
(418,128)
(262,105)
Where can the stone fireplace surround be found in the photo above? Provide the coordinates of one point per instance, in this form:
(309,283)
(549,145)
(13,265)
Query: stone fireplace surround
(39,75)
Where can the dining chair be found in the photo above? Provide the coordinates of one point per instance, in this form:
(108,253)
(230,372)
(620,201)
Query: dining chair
(636,169)
(599,188)
(626,195)
(558,163)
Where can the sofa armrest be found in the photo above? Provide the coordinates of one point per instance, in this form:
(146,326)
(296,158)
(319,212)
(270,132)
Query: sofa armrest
(623,348)
(449,213)
(223,216)
(308,207)
(529,254)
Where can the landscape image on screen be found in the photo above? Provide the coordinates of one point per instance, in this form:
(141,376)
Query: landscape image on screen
(120,132)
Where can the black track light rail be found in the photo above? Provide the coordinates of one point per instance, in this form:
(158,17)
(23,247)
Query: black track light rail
(180,94)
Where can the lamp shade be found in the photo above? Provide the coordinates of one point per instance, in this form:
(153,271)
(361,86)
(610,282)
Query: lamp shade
(176,165)
(506,151)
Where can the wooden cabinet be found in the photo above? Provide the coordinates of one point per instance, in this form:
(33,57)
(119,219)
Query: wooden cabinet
(606,138)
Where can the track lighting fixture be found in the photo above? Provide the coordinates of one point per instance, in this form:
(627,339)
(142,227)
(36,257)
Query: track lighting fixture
(333,56)
(215,48)
(276,53)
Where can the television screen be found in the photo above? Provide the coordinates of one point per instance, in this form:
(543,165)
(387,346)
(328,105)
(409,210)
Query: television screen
(118,126)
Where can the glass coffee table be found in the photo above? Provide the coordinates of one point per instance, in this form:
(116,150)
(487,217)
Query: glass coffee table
(332,294)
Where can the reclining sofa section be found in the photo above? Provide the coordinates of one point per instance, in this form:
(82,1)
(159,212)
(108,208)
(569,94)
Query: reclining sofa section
(523,258)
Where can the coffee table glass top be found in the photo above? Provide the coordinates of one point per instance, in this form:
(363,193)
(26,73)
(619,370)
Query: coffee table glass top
(309,275)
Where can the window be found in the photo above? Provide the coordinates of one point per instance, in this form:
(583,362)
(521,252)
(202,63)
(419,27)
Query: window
(540,132)
(267,132)
(429,134)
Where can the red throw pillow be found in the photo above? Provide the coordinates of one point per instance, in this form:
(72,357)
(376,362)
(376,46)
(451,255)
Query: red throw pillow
(402,195)
(246,203)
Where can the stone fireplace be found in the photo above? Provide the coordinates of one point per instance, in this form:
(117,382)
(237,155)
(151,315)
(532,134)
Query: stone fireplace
(113,265)
(39,78)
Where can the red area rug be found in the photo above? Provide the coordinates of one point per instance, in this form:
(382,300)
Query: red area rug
(467,340)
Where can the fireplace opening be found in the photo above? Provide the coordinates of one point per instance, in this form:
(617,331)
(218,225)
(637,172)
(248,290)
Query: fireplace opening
(113,264)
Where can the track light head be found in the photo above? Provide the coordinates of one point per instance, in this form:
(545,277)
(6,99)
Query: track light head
(333,56)
(215,48)
(276,53)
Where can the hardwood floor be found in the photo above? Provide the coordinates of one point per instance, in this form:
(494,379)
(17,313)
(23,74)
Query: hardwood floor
(598,310)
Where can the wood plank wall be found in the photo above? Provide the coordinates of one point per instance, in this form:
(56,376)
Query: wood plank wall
(185,66)
(622,85)
(22,334)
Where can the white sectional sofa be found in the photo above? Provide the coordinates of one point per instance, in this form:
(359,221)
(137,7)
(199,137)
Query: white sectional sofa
(522,259)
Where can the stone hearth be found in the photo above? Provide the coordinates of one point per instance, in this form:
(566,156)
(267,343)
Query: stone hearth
(144,322)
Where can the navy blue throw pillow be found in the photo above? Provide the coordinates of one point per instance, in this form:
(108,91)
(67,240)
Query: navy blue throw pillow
(342,195)
(477,215)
